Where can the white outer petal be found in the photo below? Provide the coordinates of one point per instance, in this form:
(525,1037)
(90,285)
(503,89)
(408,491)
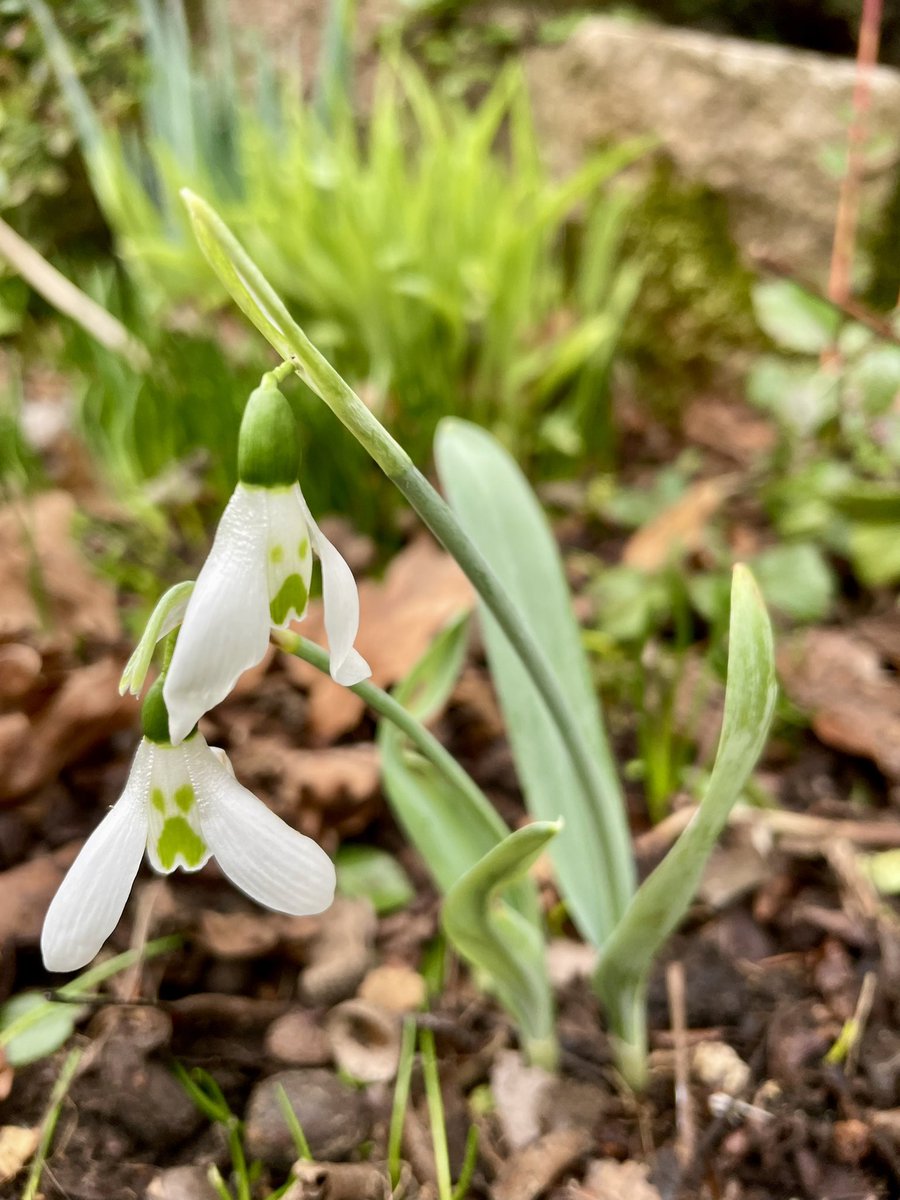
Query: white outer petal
(273,863)
(340,600)
(92,897)
(226,625)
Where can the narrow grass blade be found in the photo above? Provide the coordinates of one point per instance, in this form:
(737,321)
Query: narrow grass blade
(57,1096)
(662,900)
(500,943)
(500,513)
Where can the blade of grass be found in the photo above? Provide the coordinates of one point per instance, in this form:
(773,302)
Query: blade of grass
(82,985)
(401,1099)
(57,1096)
(435,1104)
(293,1123)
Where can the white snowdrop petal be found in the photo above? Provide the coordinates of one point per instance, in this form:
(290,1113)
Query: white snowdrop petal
(274,864)
(341,603)
(92,897)
(226,626)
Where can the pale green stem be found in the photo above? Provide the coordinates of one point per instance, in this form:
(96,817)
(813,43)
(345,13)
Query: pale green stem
(255,296)
(385,704)
(626,1010)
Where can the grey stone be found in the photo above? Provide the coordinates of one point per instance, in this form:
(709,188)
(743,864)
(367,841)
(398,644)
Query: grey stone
(334,1118)
(181,1183)
(755,123)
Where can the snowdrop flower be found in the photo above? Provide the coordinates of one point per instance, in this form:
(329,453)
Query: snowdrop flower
(257,574)
(183,805)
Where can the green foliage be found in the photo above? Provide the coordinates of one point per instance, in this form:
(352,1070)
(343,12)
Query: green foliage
(51,1027)
(470,853)
(426,254)
(374,874)
(694,311)
(501,515)
(501,943)
(662,900)
(20,468)
(833,392)
(43,190)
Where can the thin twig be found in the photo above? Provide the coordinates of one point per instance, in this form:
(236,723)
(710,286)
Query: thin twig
(814,832)
(848,204)
(69,299)
(861,1015)
(686,1129)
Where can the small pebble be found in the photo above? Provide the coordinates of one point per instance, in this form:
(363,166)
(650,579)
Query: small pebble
(298,1039)
(396,988)
(334,1118)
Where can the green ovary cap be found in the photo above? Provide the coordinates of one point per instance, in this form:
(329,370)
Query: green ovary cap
(155,715)
(268,454)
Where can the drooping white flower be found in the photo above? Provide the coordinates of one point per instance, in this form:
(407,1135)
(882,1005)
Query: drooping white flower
(256,578)
(257,575)
(182,805)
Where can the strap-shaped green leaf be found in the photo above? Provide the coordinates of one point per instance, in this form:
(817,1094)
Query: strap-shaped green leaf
(500,942)
(663,898)
(500,513)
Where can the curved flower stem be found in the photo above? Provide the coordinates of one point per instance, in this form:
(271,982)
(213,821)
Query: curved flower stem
(386,706)
(257,299)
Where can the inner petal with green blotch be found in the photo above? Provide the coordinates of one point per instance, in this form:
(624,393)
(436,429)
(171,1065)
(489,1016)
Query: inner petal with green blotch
(174,836)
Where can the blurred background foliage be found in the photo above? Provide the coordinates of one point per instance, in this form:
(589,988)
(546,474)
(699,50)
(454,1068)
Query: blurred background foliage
(431,254)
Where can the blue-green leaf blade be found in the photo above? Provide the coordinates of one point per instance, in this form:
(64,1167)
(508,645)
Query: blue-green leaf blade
(500,513)
(663,898)
(498,941)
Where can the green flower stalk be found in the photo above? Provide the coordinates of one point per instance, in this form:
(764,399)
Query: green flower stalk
(256,298)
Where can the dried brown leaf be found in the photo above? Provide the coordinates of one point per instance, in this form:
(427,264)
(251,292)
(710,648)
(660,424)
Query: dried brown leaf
(678,529)
(837,678)
(46,580)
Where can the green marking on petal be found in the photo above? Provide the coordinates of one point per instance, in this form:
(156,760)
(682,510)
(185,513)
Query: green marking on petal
(291,595)
(303,548)
(276,554)
(158,800)
(178,839)
(184,798)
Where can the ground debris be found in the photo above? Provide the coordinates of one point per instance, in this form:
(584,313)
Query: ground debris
(365,1040)
(529,1172)
(17,1144)
(86,710)
(339,1181)
(48,591)
(608,1179)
